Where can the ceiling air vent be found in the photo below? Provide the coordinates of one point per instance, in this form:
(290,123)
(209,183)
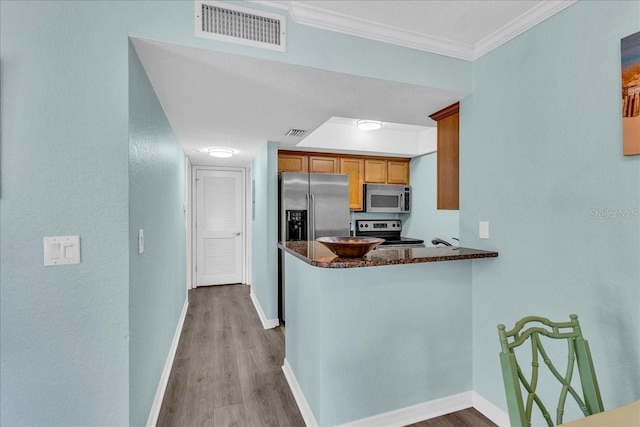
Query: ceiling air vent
(295,132)
(237,24)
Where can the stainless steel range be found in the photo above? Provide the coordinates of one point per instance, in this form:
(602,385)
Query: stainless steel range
(388,229)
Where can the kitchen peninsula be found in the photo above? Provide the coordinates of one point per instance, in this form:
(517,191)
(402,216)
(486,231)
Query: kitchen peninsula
(361,342)
(318,255)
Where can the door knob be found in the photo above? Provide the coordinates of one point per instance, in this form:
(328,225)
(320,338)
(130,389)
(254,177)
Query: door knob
(237,233)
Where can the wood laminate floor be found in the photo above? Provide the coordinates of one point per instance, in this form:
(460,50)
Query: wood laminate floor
(227,369)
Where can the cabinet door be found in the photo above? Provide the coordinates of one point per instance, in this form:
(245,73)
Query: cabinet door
(448,156)
(398,172)
(375,171)
(354,167)
(289,162)
(324,164)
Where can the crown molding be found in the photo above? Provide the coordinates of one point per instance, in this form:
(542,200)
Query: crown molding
(524,22)
(307,14)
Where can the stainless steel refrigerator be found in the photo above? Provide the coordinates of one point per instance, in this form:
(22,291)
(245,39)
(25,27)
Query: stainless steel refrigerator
(311,205)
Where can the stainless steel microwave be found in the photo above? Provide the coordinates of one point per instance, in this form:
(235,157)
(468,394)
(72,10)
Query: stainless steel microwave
(387,198)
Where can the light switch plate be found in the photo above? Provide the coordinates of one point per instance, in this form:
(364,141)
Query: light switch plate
(483,228)
(61,250)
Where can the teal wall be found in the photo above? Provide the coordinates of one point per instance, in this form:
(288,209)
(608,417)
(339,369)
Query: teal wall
(65,158)
(540,150)
(363,341)
(426,221)
(157,288)
(264,251)
(535,172)
(64,348)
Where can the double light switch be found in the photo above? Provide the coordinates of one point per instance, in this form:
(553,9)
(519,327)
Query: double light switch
(61,250)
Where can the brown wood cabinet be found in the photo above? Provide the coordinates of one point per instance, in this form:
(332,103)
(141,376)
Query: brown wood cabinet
(361,169)
(448,157)
(324,164)
(398,172)
(375,171)
(292,162)
(354,167)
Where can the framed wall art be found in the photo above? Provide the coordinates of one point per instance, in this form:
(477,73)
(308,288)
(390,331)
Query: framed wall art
(630,47)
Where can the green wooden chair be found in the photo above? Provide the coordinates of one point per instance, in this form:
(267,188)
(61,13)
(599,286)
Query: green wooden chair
(532,329)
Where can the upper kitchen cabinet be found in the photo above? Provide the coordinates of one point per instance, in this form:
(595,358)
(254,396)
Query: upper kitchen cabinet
(448,156)
(354,167)
(292,162)
(386,171)
(324,164)
(375,171)
(398,172)
(361,169)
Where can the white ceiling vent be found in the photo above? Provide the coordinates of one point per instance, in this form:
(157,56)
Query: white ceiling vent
(295,132)
(237,24)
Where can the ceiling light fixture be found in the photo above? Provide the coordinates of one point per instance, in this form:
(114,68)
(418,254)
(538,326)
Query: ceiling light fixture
(368,124)
(220,152)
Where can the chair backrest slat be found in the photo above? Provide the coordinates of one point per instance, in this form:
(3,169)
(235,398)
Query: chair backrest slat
(515,381)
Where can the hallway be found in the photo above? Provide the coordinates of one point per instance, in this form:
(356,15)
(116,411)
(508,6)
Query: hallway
(227,370)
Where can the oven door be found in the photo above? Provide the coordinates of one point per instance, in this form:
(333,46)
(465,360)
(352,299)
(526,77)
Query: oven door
(384,198)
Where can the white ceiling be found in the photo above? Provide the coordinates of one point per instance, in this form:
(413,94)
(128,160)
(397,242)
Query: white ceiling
(217,99)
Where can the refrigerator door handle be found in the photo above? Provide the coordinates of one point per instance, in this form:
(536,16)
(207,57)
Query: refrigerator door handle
(309,217)
(312,225)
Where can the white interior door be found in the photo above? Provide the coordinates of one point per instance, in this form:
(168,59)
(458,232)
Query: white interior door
(219,225)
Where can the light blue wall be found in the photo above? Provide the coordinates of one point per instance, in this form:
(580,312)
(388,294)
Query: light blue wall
(426,221)
(64,349)
(157,288)
(264,255)
(540,149)
(364,341)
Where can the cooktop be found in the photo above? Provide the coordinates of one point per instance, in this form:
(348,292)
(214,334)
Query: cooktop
(388,229)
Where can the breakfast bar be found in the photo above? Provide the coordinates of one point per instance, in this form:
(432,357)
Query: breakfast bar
(361,342)
(318,255)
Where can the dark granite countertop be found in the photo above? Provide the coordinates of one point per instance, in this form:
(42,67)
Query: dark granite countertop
(318,255)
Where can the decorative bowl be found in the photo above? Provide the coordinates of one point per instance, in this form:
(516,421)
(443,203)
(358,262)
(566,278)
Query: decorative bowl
(350,247)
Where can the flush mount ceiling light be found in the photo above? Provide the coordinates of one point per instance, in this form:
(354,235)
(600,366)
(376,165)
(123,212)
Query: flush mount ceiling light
(368,124)
(219,152)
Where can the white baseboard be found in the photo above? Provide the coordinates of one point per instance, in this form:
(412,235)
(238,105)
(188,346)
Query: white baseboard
(266,323)
(164,379)
(407,415)
(491,411)
(298,395)
(416,413)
